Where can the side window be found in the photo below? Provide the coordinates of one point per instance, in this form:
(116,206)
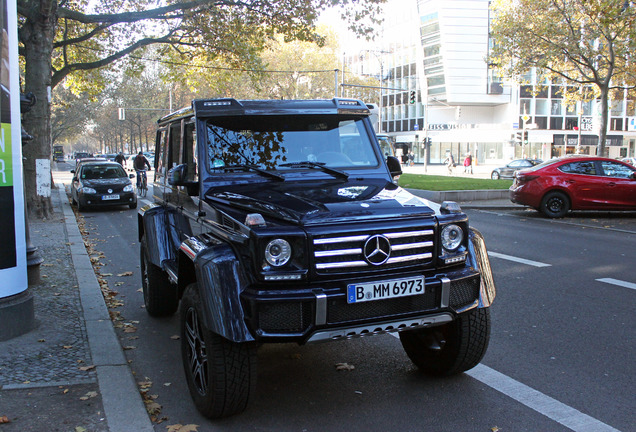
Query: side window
(174,145)
(160,152)
(586,167)
(190,151)
(613,169)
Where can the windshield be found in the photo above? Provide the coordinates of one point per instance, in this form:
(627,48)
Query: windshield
(281,142)
(94,172)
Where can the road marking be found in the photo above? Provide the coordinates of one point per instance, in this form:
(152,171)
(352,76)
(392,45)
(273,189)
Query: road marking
(618,282)
(519,260)
(543,404)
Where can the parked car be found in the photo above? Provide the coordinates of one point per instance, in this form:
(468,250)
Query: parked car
(98,183)
(509,170)
(279,222)
(576,183)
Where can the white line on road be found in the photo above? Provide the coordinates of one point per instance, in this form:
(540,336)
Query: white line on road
(519,260)
(543,404)
(618,282)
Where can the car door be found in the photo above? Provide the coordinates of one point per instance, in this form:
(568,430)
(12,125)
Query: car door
(585,185)
(620,186)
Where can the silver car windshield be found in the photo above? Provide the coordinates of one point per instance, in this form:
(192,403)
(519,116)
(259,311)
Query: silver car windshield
(289,142)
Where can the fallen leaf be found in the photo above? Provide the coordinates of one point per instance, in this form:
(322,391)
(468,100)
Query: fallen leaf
(89,395)
(128,273)
(107,274)
(182,428)
(67,346)
(175,337)
(41,340)
(152,407)
(4,419)
(344,367)
(80,429)
(129,347)
(65,391)
(87,368)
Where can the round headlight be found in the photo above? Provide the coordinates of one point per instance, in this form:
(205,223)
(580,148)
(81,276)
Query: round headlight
(278,252)
(452,237)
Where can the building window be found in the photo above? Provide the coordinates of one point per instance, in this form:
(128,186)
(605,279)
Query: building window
(556,108)
(556,123)
(616,124)
(571,122)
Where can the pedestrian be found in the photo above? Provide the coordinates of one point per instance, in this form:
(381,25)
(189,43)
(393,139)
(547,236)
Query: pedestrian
(120,159)
(411,158)
(468,163)
(450,163)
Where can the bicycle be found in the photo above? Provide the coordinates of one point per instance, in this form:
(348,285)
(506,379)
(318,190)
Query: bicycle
(142,183)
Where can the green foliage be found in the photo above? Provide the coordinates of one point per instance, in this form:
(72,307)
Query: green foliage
(587,44)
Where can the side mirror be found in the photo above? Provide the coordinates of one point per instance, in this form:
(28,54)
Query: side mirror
(177,175)
(132,176)
(72,171)
(395,168)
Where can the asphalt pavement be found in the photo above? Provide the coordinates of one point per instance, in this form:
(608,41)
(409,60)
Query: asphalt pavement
(70,372)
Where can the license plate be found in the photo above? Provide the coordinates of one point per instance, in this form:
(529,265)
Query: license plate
(110,197)
(357,293)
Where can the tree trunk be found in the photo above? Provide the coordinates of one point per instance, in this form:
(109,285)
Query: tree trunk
(602,133)
(37,36)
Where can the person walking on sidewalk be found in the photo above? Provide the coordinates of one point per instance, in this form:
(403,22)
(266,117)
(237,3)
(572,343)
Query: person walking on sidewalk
(450,163)
(468,164)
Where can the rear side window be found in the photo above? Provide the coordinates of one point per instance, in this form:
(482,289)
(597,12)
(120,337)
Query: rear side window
(582,167)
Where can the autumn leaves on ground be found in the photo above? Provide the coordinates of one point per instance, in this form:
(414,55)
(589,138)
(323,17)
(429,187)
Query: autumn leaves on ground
(113,302)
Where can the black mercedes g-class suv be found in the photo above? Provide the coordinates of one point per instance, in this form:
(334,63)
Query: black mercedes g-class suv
(281,221)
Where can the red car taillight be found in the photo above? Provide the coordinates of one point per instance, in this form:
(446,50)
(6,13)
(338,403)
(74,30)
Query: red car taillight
(522,178)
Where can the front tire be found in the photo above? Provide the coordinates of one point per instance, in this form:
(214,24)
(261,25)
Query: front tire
(160,296)
(452,348)
(221,374)
(555,204)
(495,175)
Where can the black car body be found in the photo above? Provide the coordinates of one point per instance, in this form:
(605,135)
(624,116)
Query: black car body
(101,183)
(280,221)
(511,168)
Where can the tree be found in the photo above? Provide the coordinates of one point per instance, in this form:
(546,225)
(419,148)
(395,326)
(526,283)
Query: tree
(588,44)
(60,42)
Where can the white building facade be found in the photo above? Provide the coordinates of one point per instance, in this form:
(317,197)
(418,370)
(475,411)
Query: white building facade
(437,87)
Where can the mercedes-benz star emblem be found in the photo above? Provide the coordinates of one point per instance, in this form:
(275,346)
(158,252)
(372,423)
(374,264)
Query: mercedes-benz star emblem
(110,191)
(377,249)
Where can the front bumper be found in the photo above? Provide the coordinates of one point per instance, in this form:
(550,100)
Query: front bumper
(97,200)
(322,313)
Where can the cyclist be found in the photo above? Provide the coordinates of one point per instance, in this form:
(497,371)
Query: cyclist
(139,164)
(121,159)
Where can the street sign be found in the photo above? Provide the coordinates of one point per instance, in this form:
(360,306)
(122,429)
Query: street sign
(525,117)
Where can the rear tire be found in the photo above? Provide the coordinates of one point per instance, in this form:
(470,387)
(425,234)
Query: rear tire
(451,348)
(495,175)
(555,204)
(160,296)
(221,374)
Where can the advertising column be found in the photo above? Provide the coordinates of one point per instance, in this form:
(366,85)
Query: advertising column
(16,303)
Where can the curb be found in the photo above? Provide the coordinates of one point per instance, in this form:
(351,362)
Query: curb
(123,406)
(461,195)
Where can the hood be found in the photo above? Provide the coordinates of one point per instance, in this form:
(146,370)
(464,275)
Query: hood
(319,202)
(123,181)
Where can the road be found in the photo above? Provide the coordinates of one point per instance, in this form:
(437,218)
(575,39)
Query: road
(560,358)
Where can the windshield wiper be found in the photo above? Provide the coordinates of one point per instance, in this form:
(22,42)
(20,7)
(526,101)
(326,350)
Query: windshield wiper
(253,168)
(319,165)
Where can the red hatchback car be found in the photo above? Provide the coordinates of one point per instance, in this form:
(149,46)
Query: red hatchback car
(576,183)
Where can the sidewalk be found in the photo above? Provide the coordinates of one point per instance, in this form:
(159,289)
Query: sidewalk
(70,372)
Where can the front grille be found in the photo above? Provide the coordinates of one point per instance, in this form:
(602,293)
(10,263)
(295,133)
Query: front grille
(293,317)
(463,292)
(339,311)
(345,253)
(104,189)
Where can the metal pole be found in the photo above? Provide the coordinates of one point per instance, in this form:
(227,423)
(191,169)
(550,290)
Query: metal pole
(335,88)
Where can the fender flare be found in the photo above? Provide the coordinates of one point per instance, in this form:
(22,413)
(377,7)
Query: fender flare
(152,224)
(478,255)
(220,279)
